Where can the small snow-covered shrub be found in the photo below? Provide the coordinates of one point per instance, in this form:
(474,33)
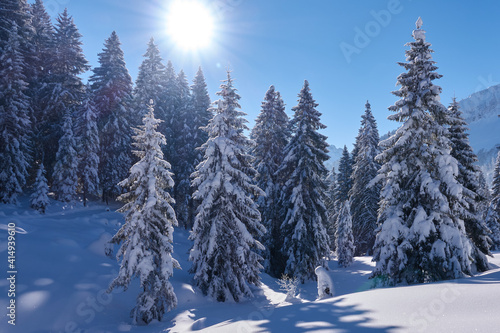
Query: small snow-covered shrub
(289,285)
(325,284)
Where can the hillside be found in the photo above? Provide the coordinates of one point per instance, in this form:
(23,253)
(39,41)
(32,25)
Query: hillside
(63,274)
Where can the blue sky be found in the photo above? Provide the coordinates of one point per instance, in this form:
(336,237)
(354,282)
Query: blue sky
(347,50)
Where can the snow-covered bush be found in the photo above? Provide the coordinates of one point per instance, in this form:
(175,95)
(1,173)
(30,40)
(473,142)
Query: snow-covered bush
(289,285)
(325,284)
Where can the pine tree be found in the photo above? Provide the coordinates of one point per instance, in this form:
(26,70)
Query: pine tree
(63,89)
(168,106)
(271,135)
(364,198)
(146,237)
(344,236)
(331,183)
(305,240)
(227,220)
(111,86)
(15,125)
(495,188)
(420,237)
(66,168)
(150,82)
(40,198)
(469,176)
(88,149)
(182,154)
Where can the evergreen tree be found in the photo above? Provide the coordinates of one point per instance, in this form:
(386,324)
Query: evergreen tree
(40,198)
(469,176)
(227,220)
(364,198)
(63,91)
(271,135)
(344,237)
(331,183)
(65,171)
(492,215)
(111,86)
(182,154)
(168,107)
(420,237)
(88,149)
(305,240)
(150,82)
(343,185)
(15,126)
(146,237)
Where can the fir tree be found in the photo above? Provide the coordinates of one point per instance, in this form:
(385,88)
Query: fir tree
(331,183)
(182,154)
(492,215)
(469,176)
(495,188)
(146,237)
(88,149)
(344,237)
(227,220)
(63,89)
(15,125)
(364,198)
(168,106)
(271,135)
(305,240)
(40,198)
(111,86)
(420,237)
(150,82)
(66,168)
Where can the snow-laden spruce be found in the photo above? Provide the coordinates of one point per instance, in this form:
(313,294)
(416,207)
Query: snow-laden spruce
(111,87)
(227,220)
(344,237)
(88,149)
(65,174)
(305,240)
(146,237)
(343,185)
(421,237)
(15,125)
(62,90)
(271,135)
(364,198)
(40,197)
(469,176)
(150,83)
(493,213)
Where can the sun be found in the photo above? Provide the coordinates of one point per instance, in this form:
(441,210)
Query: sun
(190,24)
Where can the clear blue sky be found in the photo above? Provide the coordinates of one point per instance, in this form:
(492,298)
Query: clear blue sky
(283,42)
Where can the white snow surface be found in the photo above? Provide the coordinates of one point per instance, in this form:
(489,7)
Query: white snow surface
(62,278)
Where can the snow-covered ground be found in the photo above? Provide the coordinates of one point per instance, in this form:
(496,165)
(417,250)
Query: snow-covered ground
(63,274)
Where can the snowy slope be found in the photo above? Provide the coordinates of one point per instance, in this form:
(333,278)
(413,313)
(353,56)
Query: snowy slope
(63,273)
(481,111)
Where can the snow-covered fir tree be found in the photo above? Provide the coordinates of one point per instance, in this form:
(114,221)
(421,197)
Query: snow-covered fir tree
(111,86)
(182,154)
(65,174)
(15,125)
(469,176)
(168,107)
(271,135)
(343,185)
(200,116)
(492,215)
(420,237)
(331,183)
(150,82)
(364,198)
(344,236)
(146,237)
(63,89)
(88,149)
(305,240)
(227,220)
(40,197)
